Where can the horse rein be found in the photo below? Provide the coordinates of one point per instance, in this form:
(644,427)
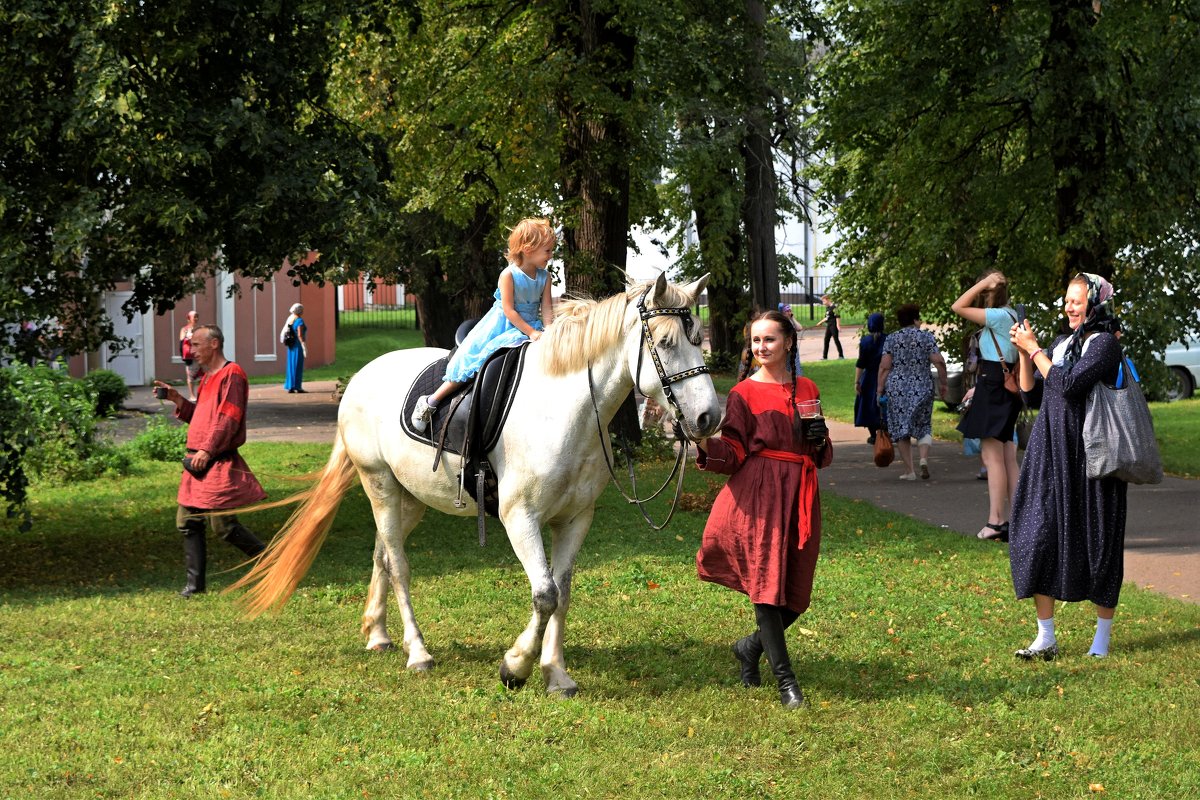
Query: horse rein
(665,380)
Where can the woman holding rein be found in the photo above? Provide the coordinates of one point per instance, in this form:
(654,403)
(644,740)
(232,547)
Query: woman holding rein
(1068,530)
(764,530)
(992,416)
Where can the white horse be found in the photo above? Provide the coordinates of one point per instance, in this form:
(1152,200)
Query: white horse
(549,462)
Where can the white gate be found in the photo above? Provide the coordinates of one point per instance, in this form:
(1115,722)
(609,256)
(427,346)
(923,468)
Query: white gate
(129,363)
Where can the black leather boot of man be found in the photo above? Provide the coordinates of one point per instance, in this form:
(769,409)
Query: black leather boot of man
(771,634)
(240,537)
(195,557)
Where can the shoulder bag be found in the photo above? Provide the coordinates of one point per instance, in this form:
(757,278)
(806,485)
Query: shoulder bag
(1118,432)
(1010,375)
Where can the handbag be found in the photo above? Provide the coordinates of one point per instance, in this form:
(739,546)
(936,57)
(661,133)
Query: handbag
(1118,432)
(1010,376)
(884,452)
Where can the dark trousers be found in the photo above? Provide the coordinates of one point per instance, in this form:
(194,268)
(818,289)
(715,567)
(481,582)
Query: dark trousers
(831,333)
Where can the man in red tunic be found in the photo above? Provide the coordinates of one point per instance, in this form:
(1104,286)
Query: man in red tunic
(216,477)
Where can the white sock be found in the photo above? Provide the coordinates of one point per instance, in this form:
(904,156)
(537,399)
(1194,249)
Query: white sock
(429,402)
(1099,646)
(1045,637)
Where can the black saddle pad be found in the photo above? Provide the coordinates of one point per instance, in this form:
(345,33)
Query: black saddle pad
(485,401)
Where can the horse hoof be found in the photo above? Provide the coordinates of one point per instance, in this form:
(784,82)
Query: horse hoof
(421,666)
(565,693)
(509,678)
(381,647)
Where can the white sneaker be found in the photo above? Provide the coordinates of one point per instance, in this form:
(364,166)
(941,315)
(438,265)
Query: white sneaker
(908,476)
(422,413)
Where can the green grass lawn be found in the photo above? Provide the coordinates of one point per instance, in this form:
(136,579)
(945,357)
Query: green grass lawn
(112,686)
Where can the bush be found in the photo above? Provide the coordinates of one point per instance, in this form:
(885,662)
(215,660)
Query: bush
(55,416)
(109,389)
(161,441)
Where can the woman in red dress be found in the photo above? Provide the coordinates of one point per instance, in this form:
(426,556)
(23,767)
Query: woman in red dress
(764,531)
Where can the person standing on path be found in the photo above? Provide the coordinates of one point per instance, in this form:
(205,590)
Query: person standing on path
(297,350)
(992,416)
(866,377)
(190,367)
(764,531)
(831,327)
(1067,540)
(216,477)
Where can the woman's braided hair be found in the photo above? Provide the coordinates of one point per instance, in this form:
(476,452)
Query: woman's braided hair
(793,358)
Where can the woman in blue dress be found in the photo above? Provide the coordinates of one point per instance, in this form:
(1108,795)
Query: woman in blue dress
(294,379)
(904,377)
(866,377)
(522,293)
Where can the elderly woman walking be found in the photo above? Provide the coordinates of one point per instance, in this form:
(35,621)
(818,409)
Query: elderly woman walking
(904,377)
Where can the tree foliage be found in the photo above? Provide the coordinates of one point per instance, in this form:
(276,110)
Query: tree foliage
(1043,137)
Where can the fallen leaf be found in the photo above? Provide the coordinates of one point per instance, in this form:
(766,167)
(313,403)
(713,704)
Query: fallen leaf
(691,732)
(652,585)
(1096,788)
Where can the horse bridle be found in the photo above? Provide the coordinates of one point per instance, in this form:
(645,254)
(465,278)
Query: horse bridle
(646,314)
(666,380)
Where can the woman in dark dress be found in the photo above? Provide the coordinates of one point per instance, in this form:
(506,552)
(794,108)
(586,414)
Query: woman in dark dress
(764,531)
(866,377)
(1068,531)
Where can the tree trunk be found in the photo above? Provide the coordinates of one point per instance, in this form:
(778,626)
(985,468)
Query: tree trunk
(1080,127)
(595,151)
(596,146)
(436,309)
(483,267)
(758,207)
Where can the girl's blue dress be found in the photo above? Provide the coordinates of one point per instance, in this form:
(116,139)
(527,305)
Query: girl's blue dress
(494,331)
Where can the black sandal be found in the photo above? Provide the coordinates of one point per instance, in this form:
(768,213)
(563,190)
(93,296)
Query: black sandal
(1000,532)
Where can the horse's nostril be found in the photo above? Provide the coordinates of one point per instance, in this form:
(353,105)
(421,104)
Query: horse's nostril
(704,422)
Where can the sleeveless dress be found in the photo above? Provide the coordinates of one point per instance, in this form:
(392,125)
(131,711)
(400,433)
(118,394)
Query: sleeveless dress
(494,331)
(909,384)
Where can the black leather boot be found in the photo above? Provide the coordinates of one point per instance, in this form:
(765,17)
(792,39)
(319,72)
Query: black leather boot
(770,633)
(748,650)
(195,558)
(240,537)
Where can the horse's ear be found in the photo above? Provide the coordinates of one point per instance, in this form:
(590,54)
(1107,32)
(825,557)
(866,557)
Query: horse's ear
(696,288)
(660,286)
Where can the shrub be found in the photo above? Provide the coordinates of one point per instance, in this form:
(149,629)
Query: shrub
(56,417)
(110,390)
(161,441)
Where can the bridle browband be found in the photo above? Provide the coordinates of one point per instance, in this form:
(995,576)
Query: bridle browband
(646,314)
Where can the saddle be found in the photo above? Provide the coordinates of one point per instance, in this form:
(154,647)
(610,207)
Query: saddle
(469,422)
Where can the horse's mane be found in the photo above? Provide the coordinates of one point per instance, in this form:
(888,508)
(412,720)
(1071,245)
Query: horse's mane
(584,329)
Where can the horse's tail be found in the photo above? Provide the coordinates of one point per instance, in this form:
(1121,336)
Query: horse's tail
(278,571)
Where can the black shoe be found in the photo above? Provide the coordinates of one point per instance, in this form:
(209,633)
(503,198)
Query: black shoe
(748,651)
(791,697)
(195,558)
(240,537)
(871,439)
(300,391)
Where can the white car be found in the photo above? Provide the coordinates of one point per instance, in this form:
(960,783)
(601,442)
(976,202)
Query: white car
(1183,359)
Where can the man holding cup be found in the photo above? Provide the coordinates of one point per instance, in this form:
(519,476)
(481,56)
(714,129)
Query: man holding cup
(216,477)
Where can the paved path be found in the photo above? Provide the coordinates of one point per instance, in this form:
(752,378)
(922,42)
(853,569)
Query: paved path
(1162,540)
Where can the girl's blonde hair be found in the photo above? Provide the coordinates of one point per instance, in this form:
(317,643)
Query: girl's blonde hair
(529,234)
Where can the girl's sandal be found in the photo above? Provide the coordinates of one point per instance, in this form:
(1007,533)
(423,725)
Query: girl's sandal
(994,532)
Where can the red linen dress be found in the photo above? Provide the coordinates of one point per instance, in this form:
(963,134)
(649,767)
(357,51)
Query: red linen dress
(764,531)
(217,423)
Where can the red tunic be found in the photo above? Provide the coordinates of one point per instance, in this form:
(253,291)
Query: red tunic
(764,531)
(217,423)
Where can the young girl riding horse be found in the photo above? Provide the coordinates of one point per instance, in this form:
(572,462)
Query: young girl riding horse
(512,318)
